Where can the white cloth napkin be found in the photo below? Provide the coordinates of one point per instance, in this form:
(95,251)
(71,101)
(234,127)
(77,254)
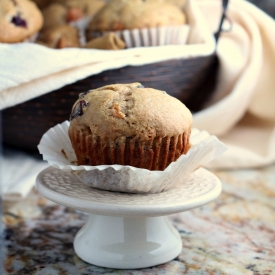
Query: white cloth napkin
(242,112)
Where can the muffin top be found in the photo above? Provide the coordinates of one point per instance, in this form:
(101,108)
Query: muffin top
(18,20)
(119,111)
(136,14)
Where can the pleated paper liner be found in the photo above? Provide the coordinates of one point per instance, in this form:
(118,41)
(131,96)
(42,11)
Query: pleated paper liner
(159,36)
(153,154)
(81,26)
(56,148)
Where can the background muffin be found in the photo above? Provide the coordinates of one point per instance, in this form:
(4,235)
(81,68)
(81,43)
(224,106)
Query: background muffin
(54,15)
(136,14)
(89,7)
(19,20)
(59,37)
(80,8)
(140,23)
(128,124)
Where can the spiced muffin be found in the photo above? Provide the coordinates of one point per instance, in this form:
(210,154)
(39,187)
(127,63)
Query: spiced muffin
(19,20)
(59,37)
(128,124)
(136,14)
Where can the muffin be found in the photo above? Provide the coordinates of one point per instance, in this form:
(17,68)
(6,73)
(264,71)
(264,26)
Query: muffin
(80,8)
(59,37)
(128,124)
(19,20)
(41,3)
(88,7)
(54,15)
(136,14)
(144,16)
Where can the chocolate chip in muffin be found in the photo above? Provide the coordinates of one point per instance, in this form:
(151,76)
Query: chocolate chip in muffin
(18,21)
(78,109)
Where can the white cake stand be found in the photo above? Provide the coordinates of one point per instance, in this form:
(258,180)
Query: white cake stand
(127,230)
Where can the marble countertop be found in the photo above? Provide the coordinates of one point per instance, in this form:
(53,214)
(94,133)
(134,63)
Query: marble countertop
(235,234)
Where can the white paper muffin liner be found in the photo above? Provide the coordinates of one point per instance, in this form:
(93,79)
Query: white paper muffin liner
(81,25)
(56,148)
(159,36)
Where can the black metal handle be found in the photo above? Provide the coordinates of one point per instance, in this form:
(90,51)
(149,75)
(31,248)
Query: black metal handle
(223,17)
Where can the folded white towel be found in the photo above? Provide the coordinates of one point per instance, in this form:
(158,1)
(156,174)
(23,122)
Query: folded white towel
(242,112)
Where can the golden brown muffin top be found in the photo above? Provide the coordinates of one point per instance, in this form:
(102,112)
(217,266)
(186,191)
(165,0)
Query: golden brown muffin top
(136,14)
(18,20)
(119,111)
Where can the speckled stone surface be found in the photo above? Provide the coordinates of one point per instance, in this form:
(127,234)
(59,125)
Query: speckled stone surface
(235,234)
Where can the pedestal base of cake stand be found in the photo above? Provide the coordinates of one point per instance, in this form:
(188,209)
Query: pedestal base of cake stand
(123,242)
(127,231)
